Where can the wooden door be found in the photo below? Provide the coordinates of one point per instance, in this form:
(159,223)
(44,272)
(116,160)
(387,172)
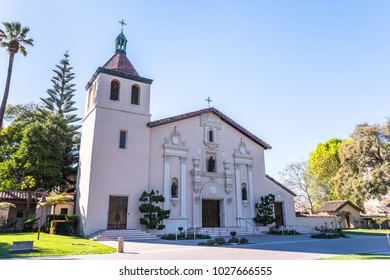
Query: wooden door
(117,212)
(211,213)
(278,207)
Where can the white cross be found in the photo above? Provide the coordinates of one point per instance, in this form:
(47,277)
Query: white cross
(209,100)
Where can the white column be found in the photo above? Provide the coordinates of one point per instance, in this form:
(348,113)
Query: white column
(183,187)
(251,191)
(167,181)
(238,191)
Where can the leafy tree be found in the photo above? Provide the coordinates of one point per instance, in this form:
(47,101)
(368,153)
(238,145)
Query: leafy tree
(34,151)
(297,178)
(54,199)
(60,96)
(153,214)
(13,38)
(365,164)
(265,210)
(324,163)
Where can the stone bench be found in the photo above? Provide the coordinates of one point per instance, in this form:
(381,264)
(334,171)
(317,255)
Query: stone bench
(22,246)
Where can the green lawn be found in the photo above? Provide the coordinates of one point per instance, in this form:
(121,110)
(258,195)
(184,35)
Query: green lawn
(363,256)
(367,231)
(360,257)
(51,245)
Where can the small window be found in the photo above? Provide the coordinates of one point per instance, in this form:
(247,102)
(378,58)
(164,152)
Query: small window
(19,213)
(122,139)
(211,136)
(89,98)
(135,95)
(94,93)
(114,93)
(244,192)
(175,188)
(64,211)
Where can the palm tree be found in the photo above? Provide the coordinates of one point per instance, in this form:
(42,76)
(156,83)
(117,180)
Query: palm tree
(14,39)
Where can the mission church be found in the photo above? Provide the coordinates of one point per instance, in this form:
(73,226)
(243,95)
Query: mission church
(210,169)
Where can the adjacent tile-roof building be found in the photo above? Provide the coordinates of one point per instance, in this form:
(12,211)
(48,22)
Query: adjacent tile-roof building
(335,206)
(13,196)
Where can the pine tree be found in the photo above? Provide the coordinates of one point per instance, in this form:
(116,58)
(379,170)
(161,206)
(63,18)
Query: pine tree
(265,211)
(153,214)
(60,96)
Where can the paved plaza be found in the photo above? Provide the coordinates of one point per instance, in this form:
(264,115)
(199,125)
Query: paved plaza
(261,247)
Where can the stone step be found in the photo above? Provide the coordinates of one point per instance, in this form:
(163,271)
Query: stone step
(127,235)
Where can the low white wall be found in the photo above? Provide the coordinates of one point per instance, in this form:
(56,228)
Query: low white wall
(316,221)
(4,214)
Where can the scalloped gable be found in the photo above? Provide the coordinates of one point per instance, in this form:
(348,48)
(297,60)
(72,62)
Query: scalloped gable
(223,117)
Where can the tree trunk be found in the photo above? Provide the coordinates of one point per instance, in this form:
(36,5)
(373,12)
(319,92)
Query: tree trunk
(6,91)
(28,201)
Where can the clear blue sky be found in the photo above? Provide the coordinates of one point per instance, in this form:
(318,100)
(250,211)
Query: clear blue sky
(295,73)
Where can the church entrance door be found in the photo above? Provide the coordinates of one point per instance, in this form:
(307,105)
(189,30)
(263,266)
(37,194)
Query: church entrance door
(211,215)
(117,212)
(278,206)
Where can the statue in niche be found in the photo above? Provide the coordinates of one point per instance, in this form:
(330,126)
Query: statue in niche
(174,190)
(244,194)
(211,165)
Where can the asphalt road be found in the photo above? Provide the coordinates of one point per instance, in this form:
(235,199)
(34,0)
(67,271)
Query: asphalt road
(261,247)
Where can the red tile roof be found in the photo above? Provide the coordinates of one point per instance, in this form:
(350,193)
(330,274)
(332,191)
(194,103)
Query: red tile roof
(335,206)
(225,118)
(120,62)
(18,195)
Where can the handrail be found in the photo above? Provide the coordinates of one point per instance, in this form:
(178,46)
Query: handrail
(250,223)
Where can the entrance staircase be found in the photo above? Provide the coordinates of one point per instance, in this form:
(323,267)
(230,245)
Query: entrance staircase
(127,234)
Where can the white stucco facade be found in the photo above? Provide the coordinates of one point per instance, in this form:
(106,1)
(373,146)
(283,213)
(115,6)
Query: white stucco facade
(124,153)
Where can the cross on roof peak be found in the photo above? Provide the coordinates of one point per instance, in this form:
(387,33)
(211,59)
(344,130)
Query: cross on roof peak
(209,100)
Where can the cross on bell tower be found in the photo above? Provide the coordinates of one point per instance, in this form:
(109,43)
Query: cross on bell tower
(121,41)
(122,22)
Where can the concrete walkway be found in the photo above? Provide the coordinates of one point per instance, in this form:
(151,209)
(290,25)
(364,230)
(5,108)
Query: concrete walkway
(261,247)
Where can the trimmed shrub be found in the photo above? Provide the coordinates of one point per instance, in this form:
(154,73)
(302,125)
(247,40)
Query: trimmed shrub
(219,241)
(233,240)
(285,232)
(61,227)
(172,236)
(62,217)
(202,236)
(210,242)
(244,240)
(169,236)
(329,235)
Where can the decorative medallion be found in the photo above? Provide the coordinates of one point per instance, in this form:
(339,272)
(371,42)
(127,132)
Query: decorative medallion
(210,120)
(242,149)
(175,138)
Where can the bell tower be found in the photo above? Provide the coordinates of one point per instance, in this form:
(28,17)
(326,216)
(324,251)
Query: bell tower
(114,153)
